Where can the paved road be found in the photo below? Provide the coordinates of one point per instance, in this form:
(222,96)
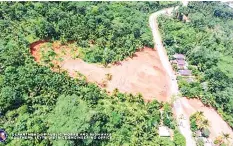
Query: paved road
(184,125)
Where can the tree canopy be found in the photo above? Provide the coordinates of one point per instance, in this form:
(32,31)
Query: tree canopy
(33,98)
(207,43)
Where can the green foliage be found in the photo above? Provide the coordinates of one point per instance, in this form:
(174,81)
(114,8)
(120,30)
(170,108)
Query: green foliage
(35,99)
(193,124)
(207,43)
(115,29)
(174,67)
(48,55)
(70,115)
(9,98)
(198,122)
(190,90)
(200,142)
(167,116)
(179,139)
(66,115)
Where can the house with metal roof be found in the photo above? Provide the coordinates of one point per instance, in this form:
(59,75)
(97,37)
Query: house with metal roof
(181,64)
(185,72)
(179,56)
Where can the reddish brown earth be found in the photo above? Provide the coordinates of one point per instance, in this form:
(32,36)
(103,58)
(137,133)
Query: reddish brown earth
(141,74)
(217,125)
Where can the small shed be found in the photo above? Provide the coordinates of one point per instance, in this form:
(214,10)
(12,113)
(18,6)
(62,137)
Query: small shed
(185,72)
(179,56)
(190,79)
(164,131)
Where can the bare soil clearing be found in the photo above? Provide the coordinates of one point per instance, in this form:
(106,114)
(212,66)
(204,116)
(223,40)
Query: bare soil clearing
(217,125)
(141,74)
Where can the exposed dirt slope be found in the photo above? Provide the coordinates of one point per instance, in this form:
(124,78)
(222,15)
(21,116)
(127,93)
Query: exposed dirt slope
(217,125)
(141,74)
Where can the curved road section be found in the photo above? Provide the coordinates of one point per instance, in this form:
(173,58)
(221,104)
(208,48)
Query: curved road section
(183,122)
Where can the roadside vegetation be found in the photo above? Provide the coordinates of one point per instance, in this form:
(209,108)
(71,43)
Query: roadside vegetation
(200,124)
(206,41)
(35,99)
(223,140)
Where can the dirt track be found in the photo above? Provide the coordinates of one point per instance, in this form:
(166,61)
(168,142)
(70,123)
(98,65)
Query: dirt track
(141,74)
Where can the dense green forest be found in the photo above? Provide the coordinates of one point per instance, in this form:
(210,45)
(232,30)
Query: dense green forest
(35,99)
(114,30)
(207,43)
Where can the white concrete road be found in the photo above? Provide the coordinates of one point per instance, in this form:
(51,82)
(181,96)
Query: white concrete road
(184,125)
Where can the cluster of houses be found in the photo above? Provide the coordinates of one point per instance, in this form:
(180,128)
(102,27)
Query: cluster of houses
(182,70)
(182,65)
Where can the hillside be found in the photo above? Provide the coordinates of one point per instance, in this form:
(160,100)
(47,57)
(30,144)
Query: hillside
(207,42)
(142,73)
(36,99)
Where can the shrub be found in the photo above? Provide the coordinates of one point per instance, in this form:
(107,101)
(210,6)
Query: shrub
(206,132)
(167,114)
(174,66)
(179,139)
(108,76)
(9,98)
(193,125)
(200,142)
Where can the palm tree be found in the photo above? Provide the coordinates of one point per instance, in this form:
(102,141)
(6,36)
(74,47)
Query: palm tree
(203,124)
(139,98)
(206,123)
(115,91)
(109,76)
(226,136)
(130,97)
(199,115)
(218,140)
(199,118)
